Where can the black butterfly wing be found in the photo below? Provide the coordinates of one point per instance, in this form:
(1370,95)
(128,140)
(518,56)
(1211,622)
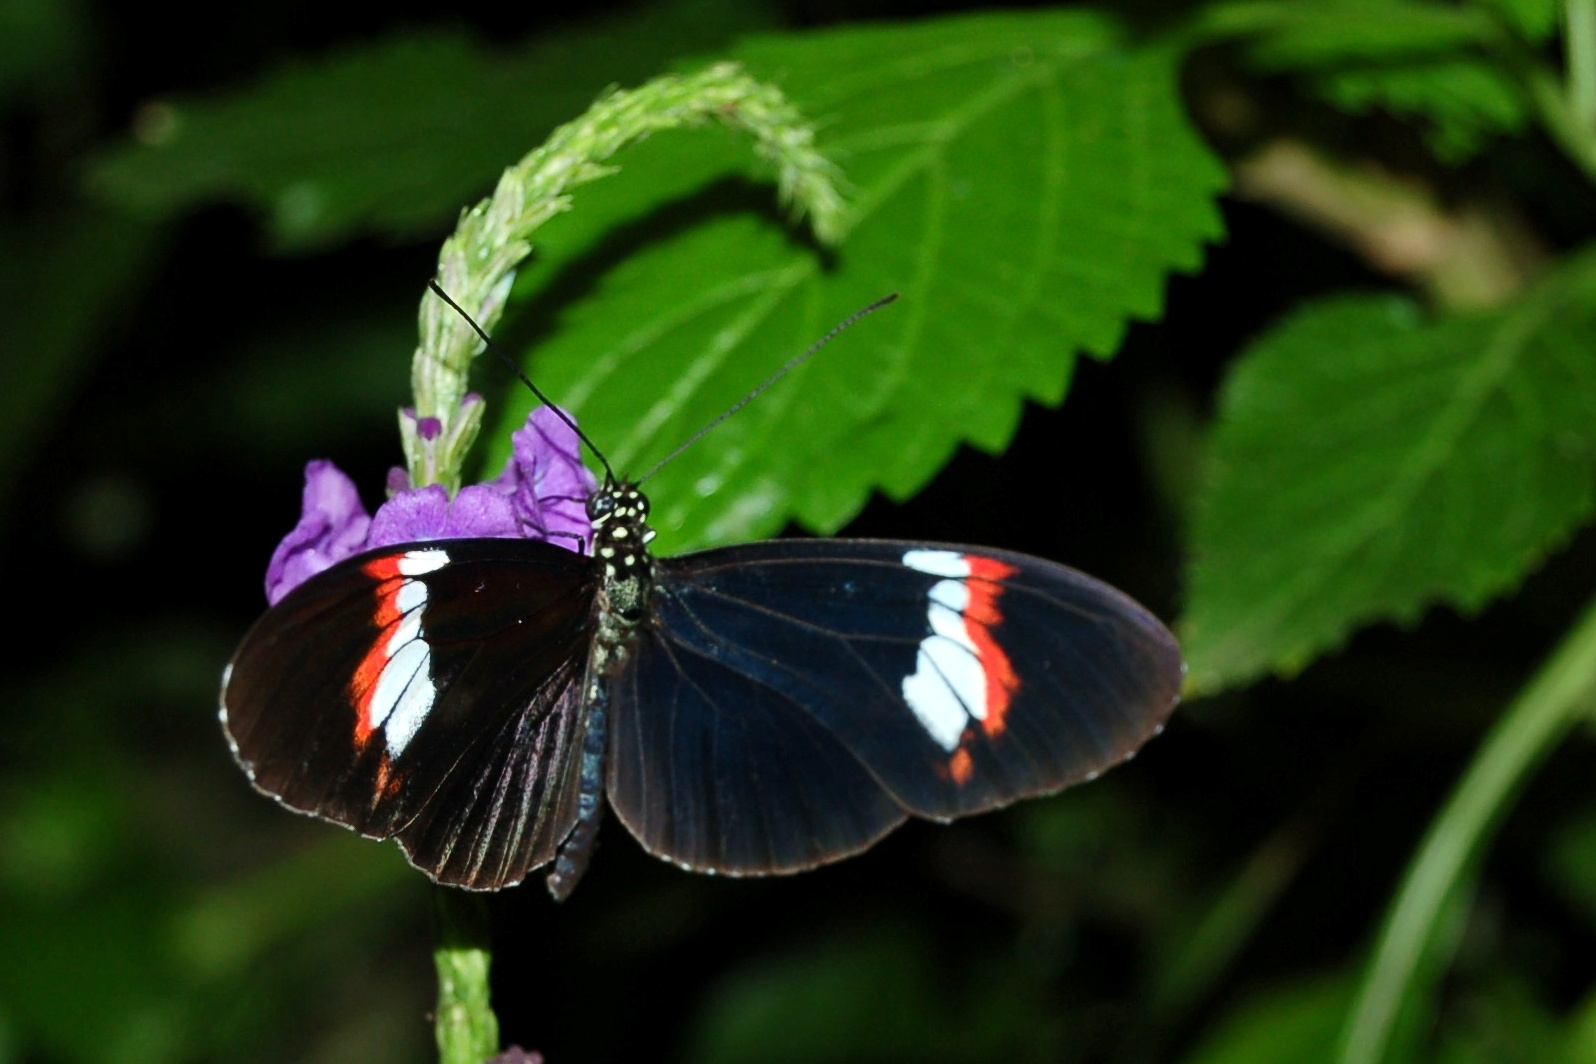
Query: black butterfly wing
(429,692)
(793,701)
(710,769)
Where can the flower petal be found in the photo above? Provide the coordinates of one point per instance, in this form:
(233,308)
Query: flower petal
(479,511)
(551,485)
(542,494)
(332,526)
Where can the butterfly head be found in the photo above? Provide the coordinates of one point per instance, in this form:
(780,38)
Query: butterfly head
(619,513)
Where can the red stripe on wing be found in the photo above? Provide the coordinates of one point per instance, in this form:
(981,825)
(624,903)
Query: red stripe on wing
(386,616)
(981,616)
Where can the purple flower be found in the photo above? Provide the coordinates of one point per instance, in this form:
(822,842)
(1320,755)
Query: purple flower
(547,479)
(332,525)
(542,494)
(429,513)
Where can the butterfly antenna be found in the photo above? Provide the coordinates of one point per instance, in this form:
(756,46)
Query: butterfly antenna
(791,364)
(508,361)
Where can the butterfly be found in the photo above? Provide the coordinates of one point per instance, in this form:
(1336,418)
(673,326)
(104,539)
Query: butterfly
(746,710)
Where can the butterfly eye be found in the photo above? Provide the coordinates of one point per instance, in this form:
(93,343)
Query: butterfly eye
(600,504)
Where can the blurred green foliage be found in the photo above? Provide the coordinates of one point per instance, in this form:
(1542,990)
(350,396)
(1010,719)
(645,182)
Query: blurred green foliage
(395,136)
(1369,464)
(1433,63)
(211,260)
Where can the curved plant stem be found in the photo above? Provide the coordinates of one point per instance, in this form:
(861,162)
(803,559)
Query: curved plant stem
(476,267)
(1560,692)
(478,263)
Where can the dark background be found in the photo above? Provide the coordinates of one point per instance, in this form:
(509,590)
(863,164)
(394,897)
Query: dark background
(153,908)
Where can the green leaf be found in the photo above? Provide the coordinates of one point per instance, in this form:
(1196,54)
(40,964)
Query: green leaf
(1368,462)
(1435,62)
(1293,1023)
(1023,180)
(393,137)
(1301,34)
(1462,101)
(1425,918)
(1534,20)
(1579,1046)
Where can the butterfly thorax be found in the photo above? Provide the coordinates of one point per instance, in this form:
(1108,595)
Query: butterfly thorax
(619,514)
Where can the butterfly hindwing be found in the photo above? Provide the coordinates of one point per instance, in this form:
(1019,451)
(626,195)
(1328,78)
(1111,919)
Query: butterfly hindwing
(509,801)
(427,691)
(710,771)
(793,700)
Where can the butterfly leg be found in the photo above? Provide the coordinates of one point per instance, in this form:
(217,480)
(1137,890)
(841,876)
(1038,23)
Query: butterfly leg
(578,846)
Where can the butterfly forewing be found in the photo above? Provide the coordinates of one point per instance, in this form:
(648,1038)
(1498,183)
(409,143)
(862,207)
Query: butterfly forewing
(792,701)
(427,691)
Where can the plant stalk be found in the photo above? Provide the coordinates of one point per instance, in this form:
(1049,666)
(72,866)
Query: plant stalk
(1562,690)
(464,1025)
